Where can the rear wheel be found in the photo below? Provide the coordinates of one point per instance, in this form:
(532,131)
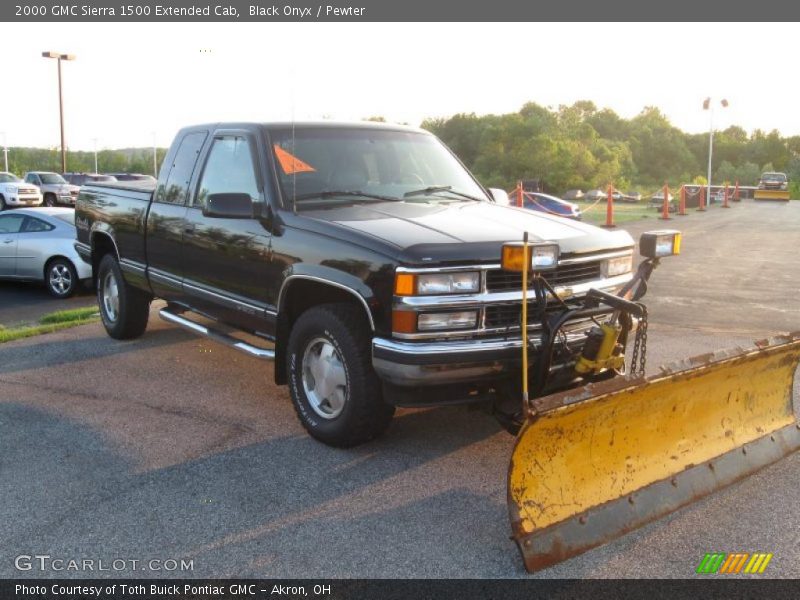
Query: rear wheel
(124,309)
(61,278)
(334,389)
(49,200)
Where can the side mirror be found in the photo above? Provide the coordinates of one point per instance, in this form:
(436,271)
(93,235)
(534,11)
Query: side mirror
(228,206)
(499,196)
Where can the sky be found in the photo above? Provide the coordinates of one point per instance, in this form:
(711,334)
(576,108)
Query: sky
(133,83)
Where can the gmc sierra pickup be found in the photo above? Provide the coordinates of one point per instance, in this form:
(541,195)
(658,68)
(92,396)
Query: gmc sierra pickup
(364,259)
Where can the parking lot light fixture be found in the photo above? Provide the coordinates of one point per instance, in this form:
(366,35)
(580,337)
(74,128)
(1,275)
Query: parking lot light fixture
(708,105)
(59,57)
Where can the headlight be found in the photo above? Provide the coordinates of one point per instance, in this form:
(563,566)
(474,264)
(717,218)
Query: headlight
(450,320)
(432,284)
(617,266)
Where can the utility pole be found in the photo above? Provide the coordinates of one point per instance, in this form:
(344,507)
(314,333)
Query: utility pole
(95,155)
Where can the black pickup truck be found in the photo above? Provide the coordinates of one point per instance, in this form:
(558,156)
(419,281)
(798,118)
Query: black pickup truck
(364,259)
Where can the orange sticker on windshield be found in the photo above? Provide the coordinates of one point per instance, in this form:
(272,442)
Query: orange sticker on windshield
(290,163)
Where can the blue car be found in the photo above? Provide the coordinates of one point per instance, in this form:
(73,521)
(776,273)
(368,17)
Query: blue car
(551,205)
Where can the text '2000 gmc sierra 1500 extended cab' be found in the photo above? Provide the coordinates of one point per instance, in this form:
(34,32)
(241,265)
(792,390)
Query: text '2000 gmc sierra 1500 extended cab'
(364,259)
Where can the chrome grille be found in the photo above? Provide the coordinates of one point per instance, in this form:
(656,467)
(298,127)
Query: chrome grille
(498,280)
(510,315)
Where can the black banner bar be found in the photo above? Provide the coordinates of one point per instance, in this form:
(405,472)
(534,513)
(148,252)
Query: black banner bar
(399,11)
(715,586)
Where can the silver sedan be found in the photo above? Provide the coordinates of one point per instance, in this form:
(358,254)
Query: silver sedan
(38,244)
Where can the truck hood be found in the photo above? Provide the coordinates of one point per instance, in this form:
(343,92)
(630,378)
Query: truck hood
(15,186)
(464,231)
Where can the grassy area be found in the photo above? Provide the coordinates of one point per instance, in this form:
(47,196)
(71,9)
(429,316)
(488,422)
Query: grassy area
(623,212)
(62,319)
(75,314)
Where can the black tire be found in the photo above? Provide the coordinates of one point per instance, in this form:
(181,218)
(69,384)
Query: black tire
(125,318)
(362,413)
(60,278)
(50,200)
(2,203)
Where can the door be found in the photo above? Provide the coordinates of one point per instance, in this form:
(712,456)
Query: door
(35,245)
(10,226)
(167,219)
(226,259)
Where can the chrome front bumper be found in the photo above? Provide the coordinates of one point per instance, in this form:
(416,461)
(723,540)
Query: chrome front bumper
(445,362)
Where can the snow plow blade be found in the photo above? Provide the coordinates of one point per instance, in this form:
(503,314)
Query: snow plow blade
(771,195)
(594,463)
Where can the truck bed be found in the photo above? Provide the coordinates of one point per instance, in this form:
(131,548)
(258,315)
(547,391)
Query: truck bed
(119,209)
(147,187)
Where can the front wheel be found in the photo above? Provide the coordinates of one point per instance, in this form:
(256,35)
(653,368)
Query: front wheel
(124,310)
(2,202)
(61,278)
(334,389)
(50,200)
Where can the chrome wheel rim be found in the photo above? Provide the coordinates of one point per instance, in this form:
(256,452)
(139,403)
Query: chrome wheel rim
(111,296)
(60,279)
(324,378)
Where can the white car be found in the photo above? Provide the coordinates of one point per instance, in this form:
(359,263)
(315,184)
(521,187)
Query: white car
(39,245)
(14,192)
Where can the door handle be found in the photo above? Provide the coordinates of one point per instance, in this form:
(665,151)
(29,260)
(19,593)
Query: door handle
(7,241)
(188,229)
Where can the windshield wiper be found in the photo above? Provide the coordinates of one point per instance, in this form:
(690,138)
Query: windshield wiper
(434,189)
(346,193)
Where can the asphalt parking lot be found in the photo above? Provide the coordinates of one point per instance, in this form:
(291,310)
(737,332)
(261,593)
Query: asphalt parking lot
(27,302)
(171,446)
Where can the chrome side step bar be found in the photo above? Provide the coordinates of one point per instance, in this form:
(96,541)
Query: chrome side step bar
(217,336)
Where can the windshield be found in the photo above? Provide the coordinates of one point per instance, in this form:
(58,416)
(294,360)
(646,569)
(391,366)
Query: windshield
(8,177)
(315,163)
(773,177)
(51,178)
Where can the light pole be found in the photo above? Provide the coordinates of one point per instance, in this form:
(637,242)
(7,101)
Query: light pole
(5,150)
(709,106)
(95,155)
(59,57)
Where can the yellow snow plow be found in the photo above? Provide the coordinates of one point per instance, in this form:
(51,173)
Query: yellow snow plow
(592,463)
(772,186)
(767,194)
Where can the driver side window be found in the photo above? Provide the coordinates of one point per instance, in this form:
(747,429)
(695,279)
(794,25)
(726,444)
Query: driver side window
(11,223)
(229,169)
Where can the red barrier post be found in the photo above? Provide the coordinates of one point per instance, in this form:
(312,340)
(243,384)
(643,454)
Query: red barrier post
(736,193)
(702,205)
(725,199)
(610,208)
(682,212)
(665,206)
(519,194)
